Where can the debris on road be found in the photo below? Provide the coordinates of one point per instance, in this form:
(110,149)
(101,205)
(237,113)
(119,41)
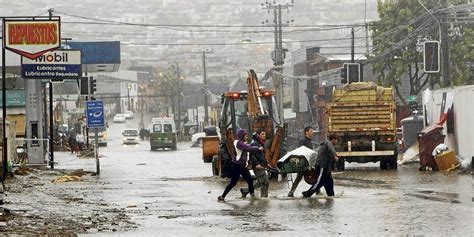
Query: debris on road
(66,178)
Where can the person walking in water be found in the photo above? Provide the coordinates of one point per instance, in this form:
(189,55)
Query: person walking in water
(305,141)
(258,162)
(239,164)
(326,155)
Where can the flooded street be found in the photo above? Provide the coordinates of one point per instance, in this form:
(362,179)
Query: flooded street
(144,193)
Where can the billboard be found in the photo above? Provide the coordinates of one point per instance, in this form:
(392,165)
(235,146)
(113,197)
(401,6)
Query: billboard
(31,38)
(101,56)
(58,64)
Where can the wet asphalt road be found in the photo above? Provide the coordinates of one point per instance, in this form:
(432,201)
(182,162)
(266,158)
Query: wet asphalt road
(173,193)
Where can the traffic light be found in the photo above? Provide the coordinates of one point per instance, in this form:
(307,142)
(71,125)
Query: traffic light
(344,74)
(84,86)
(431,58)
(93,85)
(353,72)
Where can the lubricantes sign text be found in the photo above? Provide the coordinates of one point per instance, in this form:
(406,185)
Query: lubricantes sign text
(58,64)
(31,38)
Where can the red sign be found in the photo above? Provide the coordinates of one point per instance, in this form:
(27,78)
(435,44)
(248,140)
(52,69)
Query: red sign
(31,38)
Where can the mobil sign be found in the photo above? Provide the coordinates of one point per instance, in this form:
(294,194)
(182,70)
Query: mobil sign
(58,64)
(31,38)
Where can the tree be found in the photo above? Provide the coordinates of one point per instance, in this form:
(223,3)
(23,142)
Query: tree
(403,26)
(169,86)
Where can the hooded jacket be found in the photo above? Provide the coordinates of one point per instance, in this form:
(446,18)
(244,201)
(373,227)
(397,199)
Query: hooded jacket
(258,158)
(242,149)
(326,154)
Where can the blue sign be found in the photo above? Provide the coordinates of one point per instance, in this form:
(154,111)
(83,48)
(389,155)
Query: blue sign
(95,114)
(105,52)
(58,64)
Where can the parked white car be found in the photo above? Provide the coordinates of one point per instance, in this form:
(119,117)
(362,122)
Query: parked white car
(119,118)
(102,138)
(128,114)
(196,138)
(130,136)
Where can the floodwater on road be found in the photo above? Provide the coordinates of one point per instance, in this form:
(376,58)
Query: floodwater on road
(170,193)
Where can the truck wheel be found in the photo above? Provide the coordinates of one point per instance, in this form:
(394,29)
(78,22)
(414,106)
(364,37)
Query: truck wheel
(392,161)
(341,163)
(383,163)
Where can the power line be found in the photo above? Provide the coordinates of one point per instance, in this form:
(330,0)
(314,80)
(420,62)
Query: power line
(112,22)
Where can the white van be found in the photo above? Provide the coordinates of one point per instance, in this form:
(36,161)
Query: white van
(163,133)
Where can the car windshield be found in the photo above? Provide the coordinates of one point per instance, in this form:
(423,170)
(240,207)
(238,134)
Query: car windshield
(130,133)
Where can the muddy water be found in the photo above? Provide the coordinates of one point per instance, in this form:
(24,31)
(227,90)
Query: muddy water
(172,193)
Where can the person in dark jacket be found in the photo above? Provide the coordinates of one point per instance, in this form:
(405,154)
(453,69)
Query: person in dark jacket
(326,156)
(239,164)
(258,162)
(72,142)
(305,141)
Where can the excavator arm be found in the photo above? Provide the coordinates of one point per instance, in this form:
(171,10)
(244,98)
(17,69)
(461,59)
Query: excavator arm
(261,119)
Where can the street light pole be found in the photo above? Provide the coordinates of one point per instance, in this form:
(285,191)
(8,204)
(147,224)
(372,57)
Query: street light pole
(141,106)
(4,112)
(206,117)
(128,96)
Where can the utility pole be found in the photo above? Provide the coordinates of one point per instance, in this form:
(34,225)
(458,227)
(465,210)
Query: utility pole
(445,51)
(142,89)
(205,89)
(366,29)
(178,106)
(206,117)
(443,38)
(278,54)
(51,121)
(352,45)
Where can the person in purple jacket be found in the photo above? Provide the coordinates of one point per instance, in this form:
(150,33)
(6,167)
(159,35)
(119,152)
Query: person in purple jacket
(239,164)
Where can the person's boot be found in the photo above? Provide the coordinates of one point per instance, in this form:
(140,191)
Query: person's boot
(306,194)
(220,199)
(244,192)
(264,191)
(253,197)
(290,194)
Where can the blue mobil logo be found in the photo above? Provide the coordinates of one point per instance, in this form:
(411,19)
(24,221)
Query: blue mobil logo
(59,64)
(95,114)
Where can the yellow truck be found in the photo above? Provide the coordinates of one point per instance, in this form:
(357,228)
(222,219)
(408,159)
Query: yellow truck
(363,115)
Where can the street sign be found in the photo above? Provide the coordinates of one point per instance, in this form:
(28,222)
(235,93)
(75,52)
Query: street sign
(55,65)
(95,114)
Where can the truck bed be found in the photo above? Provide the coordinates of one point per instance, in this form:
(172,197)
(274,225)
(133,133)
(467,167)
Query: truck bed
(362,107)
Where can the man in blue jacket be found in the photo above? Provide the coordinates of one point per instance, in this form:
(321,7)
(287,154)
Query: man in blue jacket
(239,164)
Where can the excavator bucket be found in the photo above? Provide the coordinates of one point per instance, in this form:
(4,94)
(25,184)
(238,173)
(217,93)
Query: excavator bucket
(272,154)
